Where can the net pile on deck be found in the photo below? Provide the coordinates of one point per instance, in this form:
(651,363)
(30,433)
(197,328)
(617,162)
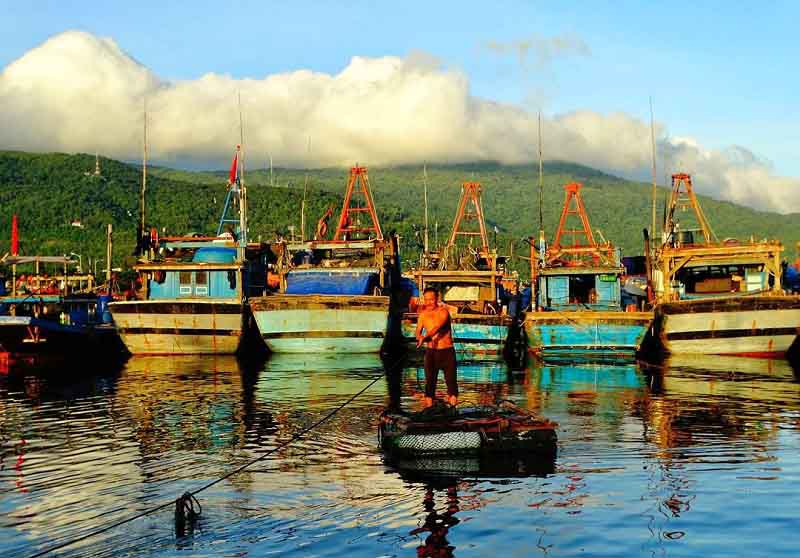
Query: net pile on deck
(445,430)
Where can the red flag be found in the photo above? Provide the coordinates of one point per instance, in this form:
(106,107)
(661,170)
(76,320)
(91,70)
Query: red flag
(234,166)
(14,237)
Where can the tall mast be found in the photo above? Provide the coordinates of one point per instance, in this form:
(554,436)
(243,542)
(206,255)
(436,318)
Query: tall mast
(653,150)
(242,187)
(541,182)
(425,183)
(541,195)
(142,220)
(305,192)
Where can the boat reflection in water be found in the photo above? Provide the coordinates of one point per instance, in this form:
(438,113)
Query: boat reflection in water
(189,402)
(698,400)
(315,380)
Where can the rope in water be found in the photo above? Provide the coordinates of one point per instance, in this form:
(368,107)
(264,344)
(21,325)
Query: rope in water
(184,502)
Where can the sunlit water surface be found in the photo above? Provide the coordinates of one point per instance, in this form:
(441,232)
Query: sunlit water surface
(696,458)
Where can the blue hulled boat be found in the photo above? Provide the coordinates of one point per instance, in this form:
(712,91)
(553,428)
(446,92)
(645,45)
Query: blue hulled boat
(577,306)
(332,296)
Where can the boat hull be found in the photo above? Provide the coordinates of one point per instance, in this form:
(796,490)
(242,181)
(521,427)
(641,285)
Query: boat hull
(322,323)
(473,334)
(586,334)
(763,326)
(23,335)
(170,327)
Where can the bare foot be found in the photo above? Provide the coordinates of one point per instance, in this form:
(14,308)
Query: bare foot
(453,400)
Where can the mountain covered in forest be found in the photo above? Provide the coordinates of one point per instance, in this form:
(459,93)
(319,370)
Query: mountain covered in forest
(63,206)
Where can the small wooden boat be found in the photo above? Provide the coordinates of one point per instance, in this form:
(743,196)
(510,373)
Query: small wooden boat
(445,430)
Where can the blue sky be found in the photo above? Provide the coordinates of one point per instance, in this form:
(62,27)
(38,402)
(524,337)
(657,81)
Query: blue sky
(718,72)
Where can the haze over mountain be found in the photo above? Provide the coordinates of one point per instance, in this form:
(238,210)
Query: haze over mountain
(81,92)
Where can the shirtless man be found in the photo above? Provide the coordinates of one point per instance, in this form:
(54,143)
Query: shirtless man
(434,319)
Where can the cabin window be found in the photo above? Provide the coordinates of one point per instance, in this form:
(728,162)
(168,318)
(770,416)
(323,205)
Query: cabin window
(185,280)
(201,283)
(582,289)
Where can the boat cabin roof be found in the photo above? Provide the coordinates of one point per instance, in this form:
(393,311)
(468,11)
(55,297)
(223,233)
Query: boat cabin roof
(581,270)
(334,245)
(458,276)
(187,266)
(19,260)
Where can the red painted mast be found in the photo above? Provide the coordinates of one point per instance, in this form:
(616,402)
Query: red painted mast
(578,251)
(14,236)
(358,200)
(470,208)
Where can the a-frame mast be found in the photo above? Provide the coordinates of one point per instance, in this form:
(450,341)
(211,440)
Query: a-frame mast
(683,197)
(358,189)
(577,252)
(470,208)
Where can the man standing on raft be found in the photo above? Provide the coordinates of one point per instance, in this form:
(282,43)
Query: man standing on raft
(434,319)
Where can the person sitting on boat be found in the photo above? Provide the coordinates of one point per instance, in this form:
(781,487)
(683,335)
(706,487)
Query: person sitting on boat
(434,319)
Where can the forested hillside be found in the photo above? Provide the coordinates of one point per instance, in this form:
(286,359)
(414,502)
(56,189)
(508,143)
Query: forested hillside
(50,191)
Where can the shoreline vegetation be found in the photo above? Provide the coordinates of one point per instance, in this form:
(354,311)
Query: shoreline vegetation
(63,206)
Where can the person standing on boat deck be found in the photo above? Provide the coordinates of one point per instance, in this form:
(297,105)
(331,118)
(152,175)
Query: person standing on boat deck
(434,319)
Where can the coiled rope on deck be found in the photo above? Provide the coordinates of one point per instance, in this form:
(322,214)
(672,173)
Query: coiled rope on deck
(185,504)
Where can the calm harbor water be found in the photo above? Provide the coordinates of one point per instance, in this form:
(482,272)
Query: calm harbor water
(698,457)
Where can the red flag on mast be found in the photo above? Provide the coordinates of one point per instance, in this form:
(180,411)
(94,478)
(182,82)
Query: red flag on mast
(14,236)
(234,167)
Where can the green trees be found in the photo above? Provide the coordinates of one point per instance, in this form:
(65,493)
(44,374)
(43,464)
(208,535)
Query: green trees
(50,191)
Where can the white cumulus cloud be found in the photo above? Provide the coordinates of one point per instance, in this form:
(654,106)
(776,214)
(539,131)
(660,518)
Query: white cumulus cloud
(80,92)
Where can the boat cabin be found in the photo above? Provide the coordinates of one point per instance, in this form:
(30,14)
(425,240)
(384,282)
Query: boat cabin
(42,287)
(579,288)
(716,270)
(212,272)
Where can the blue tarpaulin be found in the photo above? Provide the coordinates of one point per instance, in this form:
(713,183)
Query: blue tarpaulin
(215,254)
(331,282)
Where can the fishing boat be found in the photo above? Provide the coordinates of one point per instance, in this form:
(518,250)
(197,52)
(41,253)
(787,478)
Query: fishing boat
(471,280)
(190,293)
(332,295)
(53,310)
(720,298)
(577,298)
(50,308)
